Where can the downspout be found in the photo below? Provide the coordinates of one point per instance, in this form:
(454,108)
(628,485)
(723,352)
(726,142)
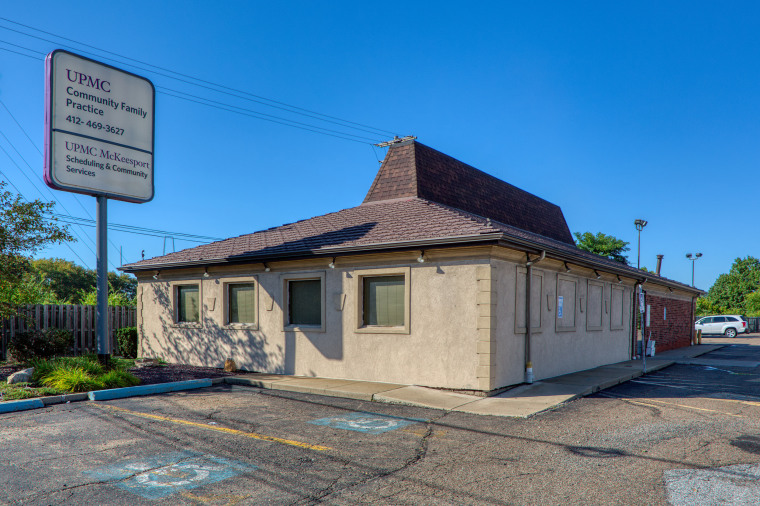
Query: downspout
(528,279)
(693,300)
(635,308)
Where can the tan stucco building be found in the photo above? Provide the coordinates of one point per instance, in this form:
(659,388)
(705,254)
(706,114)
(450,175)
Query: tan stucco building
(426,282)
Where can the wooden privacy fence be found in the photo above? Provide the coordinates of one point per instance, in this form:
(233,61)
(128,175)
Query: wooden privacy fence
(80,320)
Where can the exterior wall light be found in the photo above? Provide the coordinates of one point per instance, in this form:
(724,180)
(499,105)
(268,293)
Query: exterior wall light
(155,276)
(421,258)
(266,267)
(331,265)
(567,267)
(205,272)
(598,276)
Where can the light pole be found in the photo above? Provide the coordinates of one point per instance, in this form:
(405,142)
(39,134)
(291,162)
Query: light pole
(693,259)
(640,224)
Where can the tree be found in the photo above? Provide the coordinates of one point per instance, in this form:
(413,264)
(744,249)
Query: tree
(59,281)
(730,290)
(123,284)
(604,245)
(706,307)
(115,298)
(24,230)
(752,304)
(64,278)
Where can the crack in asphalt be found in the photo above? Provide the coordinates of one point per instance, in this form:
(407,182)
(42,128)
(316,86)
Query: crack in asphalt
(419,455)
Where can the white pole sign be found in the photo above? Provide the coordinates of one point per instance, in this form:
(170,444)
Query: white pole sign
(99,129)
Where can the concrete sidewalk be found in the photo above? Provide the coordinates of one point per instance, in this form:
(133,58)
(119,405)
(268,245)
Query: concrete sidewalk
(522,401)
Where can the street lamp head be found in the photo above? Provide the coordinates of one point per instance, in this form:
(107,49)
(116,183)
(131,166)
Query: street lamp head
(688,255)
(640,224)
(699,255)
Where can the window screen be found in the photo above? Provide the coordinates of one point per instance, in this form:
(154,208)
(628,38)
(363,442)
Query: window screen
(242,300)
(595,302)
(567,289)
(384,301)
(188,304)
(616,311)
(536,303)
(305,302)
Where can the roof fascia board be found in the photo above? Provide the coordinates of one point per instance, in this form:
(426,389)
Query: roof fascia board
(326,252)
(558,254)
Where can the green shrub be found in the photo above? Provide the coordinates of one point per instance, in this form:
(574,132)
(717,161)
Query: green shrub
(88,363)
(127,339)
(42,367)
(34,344)
(118,379)
(70,379)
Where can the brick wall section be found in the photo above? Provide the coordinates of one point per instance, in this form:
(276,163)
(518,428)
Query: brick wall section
(675,330)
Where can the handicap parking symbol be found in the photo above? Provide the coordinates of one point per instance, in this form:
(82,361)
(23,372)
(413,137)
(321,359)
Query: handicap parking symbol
(370,423)
(160,476)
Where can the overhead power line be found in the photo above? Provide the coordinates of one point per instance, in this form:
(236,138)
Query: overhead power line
(196,81)
(188,76)
(139,230)
(247,112)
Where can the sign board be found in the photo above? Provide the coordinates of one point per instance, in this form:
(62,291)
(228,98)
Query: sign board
(560,306)
(641,301)
(99,125)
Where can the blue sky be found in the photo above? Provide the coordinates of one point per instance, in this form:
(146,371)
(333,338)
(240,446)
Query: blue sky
(614,111)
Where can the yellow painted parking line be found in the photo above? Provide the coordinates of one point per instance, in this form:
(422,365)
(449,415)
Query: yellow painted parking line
(679,405)
(749,403)
(236,432)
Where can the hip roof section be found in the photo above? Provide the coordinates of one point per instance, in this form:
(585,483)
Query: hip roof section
(419,196)
(411,169)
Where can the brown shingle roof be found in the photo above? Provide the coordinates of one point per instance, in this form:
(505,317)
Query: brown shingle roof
(384,222)
(411,169)
(395,214)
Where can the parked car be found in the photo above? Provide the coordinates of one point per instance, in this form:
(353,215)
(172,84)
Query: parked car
(728,325)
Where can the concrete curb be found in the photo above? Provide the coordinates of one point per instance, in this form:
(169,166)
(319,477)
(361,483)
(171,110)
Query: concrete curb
(160,388)
(21,405)
(104,395)
(63,399)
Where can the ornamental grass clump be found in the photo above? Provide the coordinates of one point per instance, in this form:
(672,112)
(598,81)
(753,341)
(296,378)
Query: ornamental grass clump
(118,379)
(80,374)
(70,379)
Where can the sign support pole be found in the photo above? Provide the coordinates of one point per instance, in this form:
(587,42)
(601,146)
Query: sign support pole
(102,266)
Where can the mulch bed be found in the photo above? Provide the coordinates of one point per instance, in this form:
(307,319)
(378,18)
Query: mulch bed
(150,375)
(7,370)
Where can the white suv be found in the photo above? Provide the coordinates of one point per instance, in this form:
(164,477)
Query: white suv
(730,325)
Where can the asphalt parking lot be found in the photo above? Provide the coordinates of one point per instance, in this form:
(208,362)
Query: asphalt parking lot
(688,434)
